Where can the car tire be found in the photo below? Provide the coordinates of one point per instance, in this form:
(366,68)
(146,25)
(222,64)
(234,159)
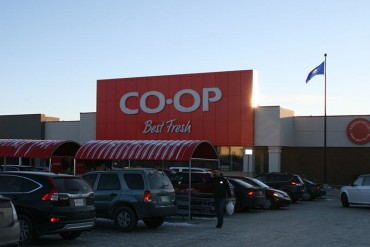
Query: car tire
(269,204)
(125,219)
(344,200)
(70,235)
(27,230)
(154,222)
(307,196)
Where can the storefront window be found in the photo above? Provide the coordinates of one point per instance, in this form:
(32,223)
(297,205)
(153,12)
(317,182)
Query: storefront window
(231,158)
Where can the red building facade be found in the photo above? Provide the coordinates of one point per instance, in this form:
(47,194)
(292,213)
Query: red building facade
(207,106)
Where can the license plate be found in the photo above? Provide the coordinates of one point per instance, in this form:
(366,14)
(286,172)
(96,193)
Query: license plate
(79,202)
(165,199)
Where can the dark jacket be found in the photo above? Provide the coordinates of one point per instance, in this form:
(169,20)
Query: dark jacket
(220,186)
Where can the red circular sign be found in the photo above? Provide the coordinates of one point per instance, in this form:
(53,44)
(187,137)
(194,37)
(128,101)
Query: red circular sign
(358,131)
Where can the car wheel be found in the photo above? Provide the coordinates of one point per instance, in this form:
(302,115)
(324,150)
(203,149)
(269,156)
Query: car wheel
(344,200)
(27,231)
(70,235)
(307,196)
(125,219)
(154,222)
(269,204)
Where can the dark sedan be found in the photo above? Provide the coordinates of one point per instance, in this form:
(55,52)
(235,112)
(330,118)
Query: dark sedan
(274,198)
(313,190)
(247,195)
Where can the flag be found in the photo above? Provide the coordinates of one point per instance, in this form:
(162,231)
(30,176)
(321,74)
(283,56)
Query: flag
(319,70)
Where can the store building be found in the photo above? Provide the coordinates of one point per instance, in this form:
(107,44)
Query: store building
(216,107)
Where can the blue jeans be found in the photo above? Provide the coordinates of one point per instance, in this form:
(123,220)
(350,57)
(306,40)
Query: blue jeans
(220,204)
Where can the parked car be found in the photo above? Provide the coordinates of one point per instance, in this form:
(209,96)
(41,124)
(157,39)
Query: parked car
(274,198)
(357,193)
(313,190)
(193,169)
(9,225)
(201,192)
(132,194)
(200,185)
(292,184)
(49,203)
(247,196)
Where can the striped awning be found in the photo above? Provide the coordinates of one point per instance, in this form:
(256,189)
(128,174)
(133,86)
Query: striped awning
(25,148)
(165,150)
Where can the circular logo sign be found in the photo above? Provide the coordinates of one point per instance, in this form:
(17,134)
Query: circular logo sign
(358,131)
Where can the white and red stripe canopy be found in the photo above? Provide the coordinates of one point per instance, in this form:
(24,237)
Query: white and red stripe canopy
(37,148)
(166,150)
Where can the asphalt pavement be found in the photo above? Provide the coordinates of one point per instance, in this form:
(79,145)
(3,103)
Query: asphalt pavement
(322,222)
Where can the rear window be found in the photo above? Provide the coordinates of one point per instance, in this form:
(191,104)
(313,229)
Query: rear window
(158,180)
(242,183)
(262,178)
(71,185)
(258,183)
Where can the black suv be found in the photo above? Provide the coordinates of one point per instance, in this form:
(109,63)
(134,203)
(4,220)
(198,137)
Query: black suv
(48,203)
(292,184)
(129,195)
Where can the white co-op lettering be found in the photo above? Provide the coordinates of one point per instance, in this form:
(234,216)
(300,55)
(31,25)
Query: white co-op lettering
(198,99)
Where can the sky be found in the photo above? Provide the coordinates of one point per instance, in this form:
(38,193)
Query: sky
(53,52)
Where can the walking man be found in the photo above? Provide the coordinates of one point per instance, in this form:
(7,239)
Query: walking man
(221,191)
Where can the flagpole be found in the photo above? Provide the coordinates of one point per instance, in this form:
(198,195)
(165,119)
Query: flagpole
(325,179)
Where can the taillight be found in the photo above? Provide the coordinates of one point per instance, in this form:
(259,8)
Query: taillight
(294,183)
(53,220)
(53,194)
(250,193)
(147,196)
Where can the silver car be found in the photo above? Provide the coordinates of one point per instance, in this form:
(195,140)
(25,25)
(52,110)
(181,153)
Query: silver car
(9,226)
(357,193)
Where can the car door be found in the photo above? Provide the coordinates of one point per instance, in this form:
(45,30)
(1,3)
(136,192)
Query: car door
(365,190)
(354,191)
(108,189)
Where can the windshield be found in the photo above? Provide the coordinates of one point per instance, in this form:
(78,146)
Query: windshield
(242,183)
(71,185)
(259,183)
(159,180)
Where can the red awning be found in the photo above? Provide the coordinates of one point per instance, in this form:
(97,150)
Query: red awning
(37,148)
(166,150)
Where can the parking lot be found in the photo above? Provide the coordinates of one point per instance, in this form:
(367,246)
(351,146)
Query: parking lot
(322,222)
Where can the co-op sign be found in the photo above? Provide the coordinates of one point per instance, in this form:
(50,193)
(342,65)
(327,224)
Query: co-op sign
(208,106)
(206,99)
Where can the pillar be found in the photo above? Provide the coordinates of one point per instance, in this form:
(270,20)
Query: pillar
(274,159)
